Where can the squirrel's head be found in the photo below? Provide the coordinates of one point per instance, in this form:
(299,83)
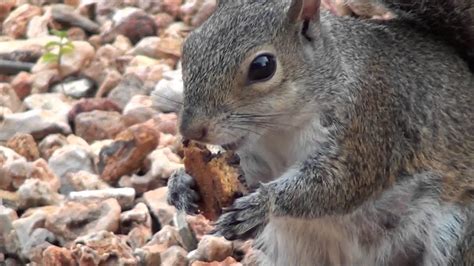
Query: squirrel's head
(250,68)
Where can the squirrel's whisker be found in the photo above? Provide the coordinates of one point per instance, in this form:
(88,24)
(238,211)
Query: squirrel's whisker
(244,129)
(168,99)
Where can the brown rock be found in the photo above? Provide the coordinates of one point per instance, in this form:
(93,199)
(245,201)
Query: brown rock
(170,47)
(54,255)
(43,79)
(70,159)
(9,98)
(38,241)
(163,20)
(7,216)
(135,27)
(159,207)
(76,34)
(148,70)
(35,193)
(111,80)
(15,25)
(43,172)
(102,248)
(129,86)
(5,8)
(84,180)
(150,255)
(138,236)
(212,248)
(25,145)
(166,123)
(170,141)
(25,228)
(50,144)
(147,47)
(5,111)
(89,105)
(126,154)
(19,170)
(95,40)
(122,43)
(139,215)
(76,219)
(174,256)
(108,55)
(123,62)
(38,26)
(98,125)
(167,236)
(195,12)
(199,225)
(74,3)
(22,84)
(8,155)
(9,199)
(139,109)
(141,184)
(171,6)
(229,261)
(163,163)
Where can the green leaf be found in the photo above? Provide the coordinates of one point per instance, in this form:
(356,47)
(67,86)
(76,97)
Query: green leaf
(52,45)
(49,57)
(69,44)
(59,33)
(66,50)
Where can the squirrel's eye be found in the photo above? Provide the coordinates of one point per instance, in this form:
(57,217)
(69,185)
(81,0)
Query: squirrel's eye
(262,68)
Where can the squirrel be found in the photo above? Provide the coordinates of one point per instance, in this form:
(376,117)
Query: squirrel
(356,135)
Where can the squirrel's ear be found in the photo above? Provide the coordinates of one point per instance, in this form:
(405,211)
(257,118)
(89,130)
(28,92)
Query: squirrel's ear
(304,10)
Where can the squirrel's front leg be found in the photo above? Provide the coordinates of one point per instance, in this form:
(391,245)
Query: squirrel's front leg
(321,185)
(246,218)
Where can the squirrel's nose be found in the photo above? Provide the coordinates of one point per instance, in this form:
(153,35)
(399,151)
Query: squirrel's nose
(195,132)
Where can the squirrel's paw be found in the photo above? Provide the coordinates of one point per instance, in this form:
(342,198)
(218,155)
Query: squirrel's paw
(245,218)
(182,192)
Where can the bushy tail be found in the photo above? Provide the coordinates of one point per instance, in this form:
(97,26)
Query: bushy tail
(452,20)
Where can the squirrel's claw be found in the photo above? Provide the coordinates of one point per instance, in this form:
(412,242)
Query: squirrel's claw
(244,219)
(181,192)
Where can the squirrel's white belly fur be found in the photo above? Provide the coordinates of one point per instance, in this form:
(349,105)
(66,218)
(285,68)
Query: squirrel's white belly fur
(391,230)
(424,231)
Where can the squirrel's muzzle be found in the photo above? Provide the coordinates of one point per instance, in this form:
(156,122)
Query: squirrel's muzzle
(192,129)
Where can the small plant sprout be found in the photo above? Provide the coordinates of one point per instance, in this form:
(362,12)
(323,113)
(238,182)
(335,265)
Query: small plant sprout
(56,49)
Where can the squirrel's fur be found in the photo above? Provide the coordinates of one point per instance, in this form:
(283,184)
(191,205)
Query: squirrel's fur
(451,20)
(363,138)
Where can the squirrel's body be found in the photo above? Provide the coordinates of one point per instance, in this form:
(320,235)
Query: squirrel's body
(404,225)
(393,230)
(363,134)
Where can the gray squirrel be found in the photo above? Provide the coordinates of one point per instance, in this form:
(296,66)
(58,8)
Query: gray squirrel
(357,136)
